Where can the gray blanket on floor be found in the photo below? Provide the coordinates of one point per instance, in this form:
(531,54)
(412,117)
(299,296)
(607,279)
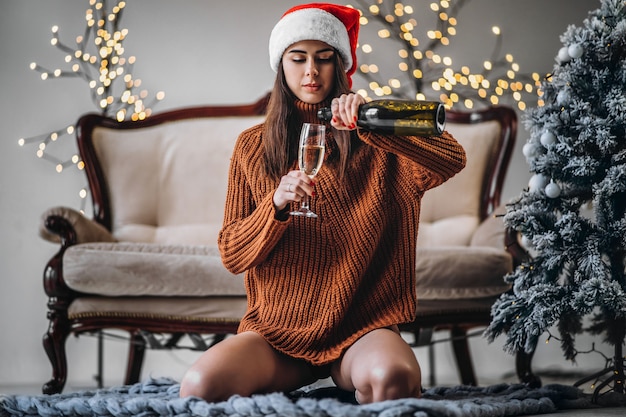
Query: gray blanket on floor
(159,397)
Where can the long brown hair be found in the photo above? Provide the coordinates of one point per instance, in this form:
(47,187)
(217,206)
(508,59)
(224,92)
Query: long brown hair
(280,152)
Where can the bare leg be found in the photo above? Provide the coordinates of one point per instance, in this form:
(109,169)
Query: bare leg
(379,366)
(243,364)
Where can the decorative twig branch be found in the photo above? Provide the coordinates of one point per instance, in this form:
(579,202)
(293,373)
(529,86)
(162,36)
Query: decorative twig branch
(427,73)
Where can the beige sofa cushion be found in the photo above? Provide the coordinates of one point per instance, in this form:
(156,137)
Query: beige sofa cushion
(140,269)
(456,272)
(208,309)
(491,231)
(451,231)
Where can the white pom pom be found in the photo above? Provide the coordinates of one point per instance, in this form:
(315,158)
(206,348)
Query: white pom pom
(547,138)
(575,50)
(563,55)
(537,182)
(553,190)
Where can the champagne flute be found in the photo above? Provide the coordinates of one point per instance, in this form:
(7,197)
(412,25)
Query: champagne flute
(310,158)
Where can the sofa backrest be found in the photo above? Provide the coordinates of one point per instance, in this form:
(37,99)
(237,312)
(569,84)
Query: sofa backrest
(451,212)
(164,180)
(167,183)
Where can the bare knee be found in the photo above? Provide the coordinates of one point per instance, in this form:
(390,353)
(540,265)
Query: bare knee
(379,366)
(191,384)
(389,383)
(203,384)
(243,364)
(218,372)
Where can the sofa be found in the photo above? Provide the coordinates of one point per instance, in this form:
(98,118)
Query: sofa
(145,261)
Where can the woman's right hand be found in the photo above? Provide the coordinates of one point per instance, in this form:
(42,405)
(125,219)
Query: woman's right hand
(345,109)
(292,187)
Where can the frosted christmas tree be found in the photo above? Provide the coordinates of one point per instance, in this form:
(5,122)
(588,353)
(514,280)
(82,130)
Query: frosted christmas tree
(572,216)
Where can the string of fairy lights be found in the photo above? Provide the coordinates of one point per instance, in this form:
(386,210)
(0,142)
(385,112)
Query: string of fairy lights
(424,68)
(98,59)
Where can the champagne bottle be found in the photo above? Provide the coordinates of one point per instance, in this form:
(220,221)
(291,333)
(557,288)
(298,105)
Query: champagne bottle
(398,117)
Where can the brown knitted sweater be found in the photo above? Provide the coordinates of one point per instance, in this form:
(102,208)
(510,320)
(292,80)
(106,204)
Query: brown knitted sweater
(315,286)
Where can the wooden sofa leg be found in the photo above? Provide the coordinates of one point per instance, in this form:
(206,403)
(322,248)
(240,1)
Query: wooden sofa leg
(54,346)
(136,353)
(523,367)
(463,358)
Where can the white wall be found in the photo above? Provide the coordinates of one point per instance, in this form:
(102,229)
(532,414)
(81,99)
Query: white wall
(197,51)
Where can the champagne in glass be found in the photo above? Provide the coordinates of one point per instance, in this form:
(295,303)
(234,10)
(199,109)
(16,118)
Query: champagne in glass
(310,159)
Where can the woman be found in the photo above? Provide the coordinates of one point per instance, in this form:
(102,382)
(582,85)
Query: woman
(325,295)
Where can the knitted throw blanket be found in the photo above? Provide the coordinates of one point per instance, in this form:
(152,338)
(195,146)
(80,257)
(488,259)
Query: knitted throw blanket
(159,397)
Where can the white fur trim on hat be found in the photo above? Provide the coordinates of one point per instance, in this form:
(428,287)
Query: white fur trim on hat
(309,24)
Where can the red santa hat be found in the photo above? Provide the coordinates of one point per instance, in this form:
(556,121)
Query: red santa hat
(336,25)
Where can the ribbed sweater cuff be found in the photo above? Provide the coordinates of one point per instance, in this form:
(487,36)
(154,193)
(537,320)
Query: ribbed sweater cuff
(440,154)
(263,231)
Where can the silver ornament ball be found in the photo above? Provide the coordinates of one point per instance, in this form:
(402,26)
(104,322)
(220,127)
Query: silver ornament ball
(547,138)
(575,50)
(553,190)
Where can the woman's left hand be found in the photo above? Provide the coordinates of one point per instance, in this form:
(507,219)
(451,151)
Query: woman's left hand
(345,110)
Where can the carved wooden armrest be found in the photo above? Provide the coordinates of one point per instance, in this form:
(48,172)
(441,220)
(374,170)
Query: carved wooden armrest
(68,226)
